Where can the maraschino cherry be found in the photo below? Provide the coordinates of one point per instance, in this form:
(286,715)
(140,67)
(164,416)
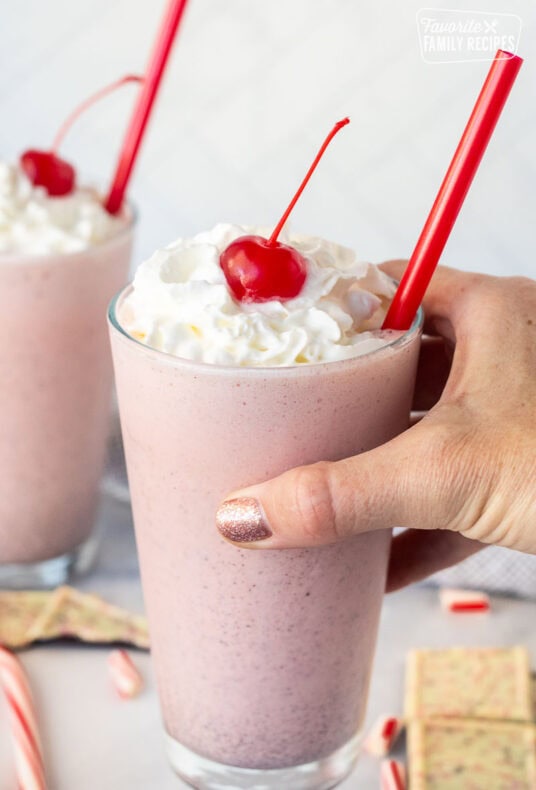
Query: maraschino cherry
(259,269)
(45,168)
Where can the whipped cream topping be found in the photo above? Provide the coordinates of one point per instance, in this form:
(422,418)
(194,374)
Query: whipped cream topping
(33,223)
(180,303)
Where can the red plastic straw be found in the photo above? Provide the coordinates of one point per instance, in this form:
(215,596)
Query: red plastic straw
(142,110)
(453,190)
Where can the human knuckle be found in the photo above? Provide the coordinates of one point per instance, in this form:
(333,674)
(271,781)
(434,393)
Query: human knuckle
(313,504)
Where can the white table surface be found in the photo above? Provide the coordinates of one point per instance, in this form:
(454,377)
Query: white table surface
(94,740)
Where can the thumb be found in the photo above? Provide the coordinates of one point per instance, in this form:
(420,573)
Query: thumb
(397,484)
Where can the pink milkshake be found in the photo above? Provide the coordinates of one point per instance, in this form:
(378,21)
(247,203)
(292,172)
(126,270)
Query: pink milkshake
(263,658)
(61,259)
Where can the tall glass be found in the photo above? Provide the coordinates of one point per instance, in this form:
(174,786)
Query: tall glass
(263,658)
(55,390)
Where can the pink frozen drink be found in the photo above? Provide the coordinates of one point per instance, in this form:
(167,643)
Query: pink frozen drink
(263,658)
(61,259)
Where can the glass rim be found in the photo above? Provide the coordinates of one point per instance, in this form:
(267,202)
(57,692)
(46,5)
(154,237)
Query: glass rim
(249,370)
(35,258)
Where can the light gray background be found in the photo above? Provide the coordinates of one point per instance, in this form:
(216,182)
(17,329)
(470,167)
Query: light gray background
(252,88)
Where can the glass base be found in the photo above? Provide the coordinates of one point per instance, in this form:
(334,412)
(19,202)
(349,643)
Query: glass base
(205,774)
(53,572)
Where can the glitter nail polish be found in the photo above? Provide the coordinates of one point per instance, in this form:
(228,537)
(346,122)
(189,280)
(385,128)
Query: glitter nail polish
(241,520)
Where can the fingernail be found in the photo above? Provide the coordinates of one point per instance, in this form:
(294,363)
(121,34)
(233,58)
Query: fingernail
(241,520)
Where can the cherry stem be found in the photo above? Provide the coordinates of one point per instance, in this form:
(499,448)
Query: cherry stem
(95,97)
(338,126)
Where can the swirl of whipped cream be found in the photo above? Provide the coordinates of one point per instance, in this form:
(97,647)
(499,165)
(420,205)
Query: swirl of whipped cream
(180,303)
(33,223)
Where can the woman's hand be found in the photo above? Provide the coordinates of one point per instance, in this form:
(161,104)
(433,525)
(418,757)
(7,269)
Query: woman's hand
(466,470)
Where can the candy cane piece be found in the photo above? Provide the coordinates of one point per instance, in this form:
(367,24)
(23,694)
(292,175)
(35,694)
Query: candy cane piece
(383,734)
(464,601)
(392,775)
(125,677)
(24,733)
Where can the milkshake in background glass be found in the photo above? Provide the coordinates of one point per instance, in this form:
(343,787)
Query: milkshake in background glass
(61,260)
(263,658)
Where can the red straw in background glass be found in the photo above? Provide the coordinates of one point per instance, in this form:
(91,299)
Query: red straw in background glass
(142,110)
(453,190)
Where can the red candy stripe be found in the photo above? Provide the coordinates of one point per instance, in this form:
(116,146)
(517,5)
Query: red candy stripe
(389,728)
(125,677)
(383,734)
(464,601)
(392,775)
(469,606)
(24,733)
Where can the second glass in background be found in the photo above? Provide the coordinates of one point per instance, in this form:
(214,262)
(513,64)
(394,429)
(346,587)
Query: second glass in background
(55,390)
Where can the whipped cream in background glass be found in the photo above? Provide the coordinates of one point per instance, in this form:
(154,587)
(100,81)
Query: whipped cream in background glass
(181,304)
(33,223)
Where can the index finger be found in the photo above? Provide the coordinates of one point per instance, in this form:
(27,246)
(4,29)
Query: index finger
(446,294)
